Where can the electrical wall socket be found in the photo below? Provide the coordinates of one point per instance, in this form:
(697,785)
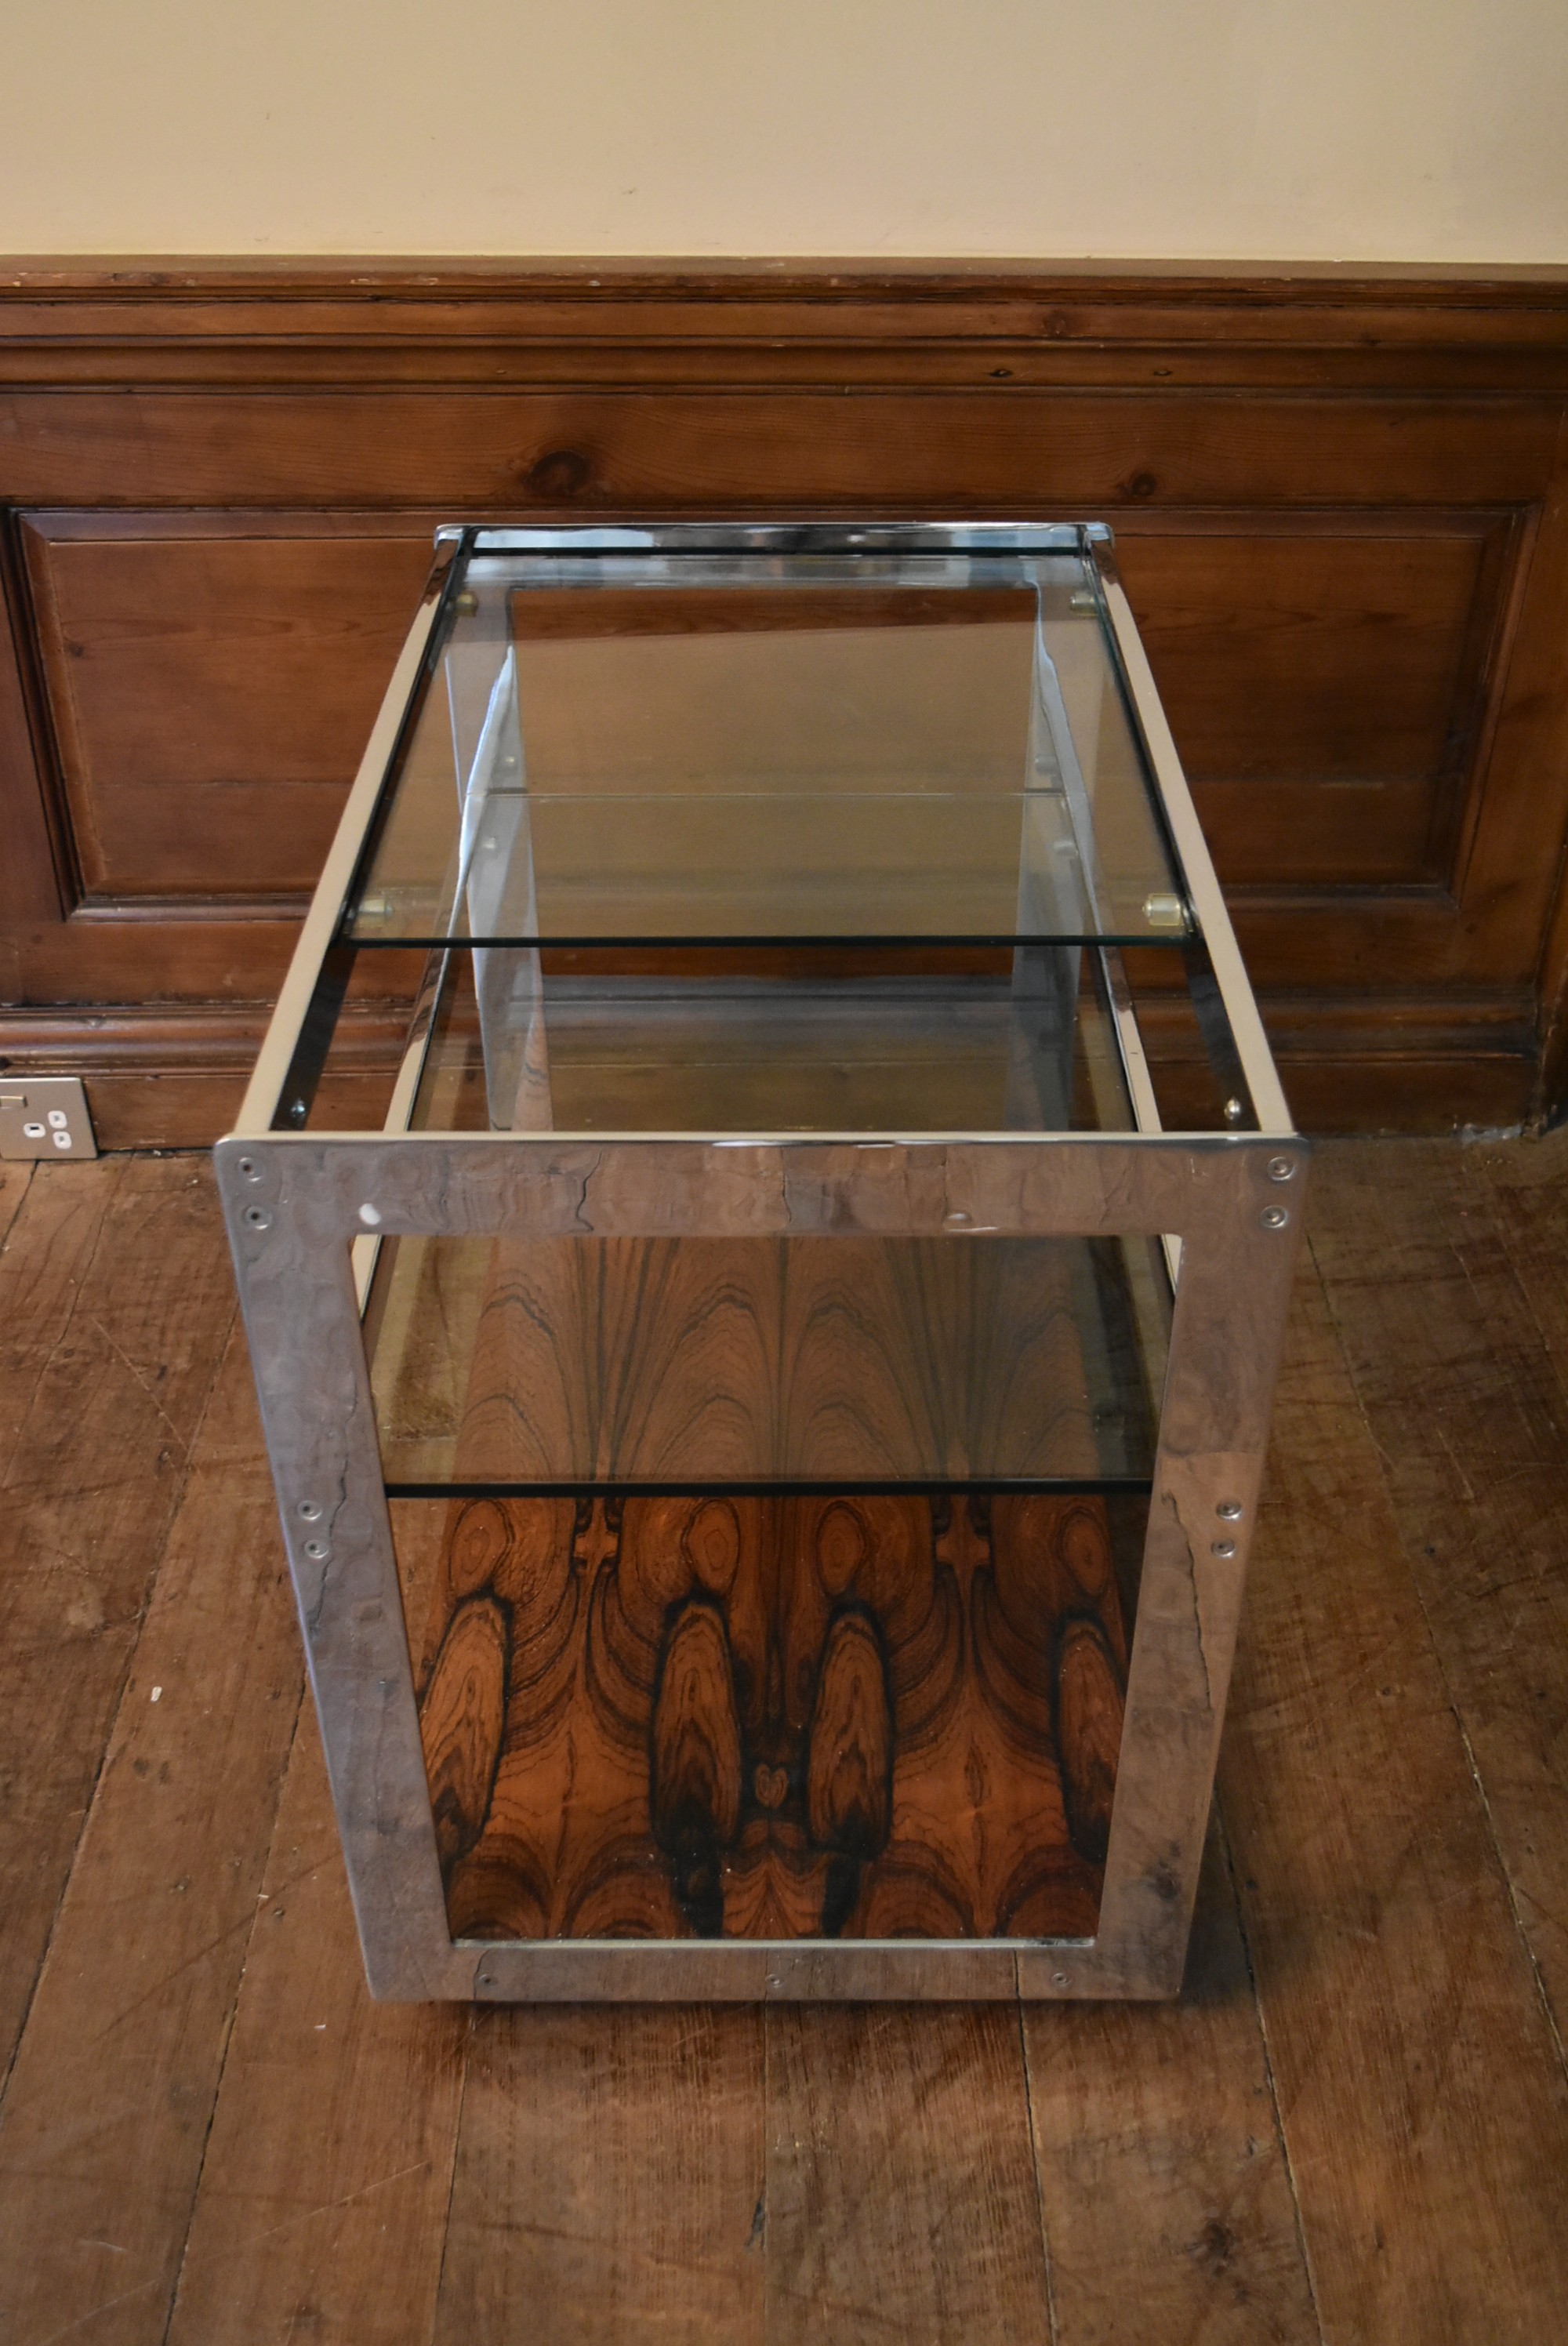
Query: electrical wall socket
(44,1115)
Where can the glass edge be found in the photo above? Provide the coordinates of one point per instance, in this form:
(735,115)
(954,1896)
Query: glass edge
(934,941)
(796,538)
(1007,1486)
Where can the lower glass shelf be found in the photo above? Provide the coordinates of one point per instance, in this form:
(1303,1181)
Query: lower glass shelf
(703,1715)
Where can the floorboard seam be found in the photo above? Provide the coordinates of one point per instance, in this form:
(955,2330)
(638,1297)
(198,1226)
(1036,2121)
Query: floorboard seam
(117,1702)
(1280,2136)
(768,2013)
(64,1329)
(228,2040)
(451,2176)
(1558,1367)
(10,1221)
(1493,1840)
(1039,2178)
(1513,1907)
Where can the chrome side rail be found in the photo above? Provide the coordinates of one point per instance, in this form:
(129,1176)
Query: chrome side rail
(264,1094)
(1186,833)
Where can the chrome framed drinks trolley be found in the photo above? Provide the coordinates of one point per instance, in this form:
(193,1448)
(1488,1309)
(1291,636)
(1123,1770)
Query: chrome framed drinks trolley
(766,1416)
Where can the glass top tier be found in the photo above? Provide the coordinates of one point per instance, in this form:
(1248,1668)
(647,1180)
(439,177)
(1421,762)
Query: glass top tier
(847,737)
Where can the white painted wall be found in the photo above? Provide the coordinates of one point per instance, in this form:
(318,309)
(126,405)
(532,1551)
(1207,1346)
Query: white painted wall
(1288,129)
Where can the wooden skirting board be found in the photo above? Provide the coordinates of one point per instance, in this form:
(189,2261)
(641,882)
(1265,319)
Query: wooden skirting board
(1341,501)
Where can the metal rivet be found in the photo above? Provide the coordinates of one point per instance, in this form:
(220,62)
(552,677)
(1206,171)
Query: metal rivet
(1274,1218)
(1059,1979)
(371,1216)
(956,1221)
(251,1170)
(1282,1168)
(1234,1111)
(316,1549)
(311,1513)
(298,1111)
(1224,1547)
(258,1218)
(1230,1511)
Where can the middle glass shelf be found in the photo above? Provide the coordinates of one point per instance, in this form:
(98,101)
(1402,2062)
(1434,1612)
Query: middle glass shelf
(851,1363)
(799,1039)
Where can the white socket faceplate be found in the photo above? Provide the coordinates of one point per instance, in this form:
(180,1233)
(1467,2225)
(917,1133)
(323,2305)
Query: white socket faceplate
(44,1115)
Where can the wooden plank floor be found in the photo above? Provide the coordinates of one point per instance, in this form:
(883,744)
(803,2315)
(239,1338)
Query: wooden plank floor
(1353,2129)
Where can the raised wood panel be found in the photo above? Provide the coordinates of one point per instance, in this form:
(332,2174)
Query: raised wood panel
(1340,509)
(28,889)
(1326,690)
(210,696)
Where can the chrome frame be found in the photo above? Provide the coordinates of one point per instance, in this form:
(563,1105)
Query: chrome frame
(305,1210)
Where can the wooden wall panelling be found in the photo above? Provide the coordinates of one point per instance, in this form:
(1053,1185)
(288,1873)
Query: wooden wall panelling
(1552,1074)
(1337,499)
(1364,922)
(28,888)
(210,692)
(658,449)
(1324,676)
(207,681)
(1538,746)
